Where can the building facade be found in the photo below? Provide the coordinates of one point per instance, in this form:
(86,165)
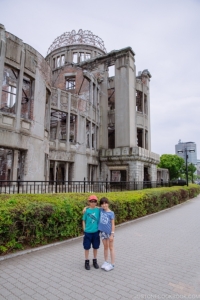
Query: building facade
(190,147)
(64,118)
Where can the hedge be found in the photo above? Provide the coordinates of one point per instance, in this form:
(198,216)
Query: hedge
(30,220)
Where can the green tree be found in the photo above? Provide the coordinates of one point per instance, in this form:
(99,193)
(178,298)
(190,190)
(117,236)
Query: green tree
(173,163)
(191,170)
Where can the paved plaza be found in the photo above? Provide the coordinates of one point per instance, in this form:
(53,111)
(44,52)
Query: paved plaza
(157,257)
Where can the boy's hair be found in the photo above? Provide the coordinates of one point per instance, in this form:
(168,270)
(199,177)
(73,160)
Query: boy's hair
(104,200)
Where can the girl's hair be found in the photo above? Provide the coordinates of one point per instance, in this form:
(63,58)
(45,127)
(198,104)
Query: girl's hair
(104,200)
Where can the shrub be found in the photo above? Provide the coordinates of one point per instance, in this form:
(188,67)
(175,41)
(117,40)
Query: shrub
(29,220)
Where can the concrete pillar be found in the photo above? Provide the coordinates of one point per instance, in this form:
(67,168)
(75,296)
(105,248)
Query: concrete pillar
(149,122)
(68,122)
(2,55)
(55,170)
(15,165)
(103,130)
(125,101)
(19,91)
(66,171)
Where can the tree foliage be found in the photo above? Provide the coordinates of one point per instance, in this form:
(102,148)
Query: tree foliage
(173,163)
(191,170)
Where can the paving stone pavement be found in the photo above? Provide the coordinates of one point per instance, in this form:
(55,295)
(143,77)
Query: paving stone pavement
(157,257)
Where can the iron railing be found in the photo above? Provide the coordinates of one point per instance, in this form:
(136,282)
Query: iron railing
(44,187)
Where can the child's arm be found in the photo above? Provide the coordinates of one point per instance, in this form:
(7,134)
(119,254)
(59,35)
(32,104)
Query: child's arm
(83,224)
(84,210)
(112,229)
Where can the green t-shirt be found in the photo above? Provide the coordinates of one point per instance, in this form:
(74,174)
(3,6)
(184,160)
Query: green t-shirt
(91,218)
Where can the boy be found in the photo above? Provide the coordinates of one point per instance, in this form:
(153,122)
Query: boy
(91,232)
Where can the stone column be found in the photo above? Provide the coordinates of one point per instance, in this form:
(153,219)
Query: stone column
(15,165)
(68,122)
(2,55)
(103,130)
(19,91)
(125,101)
(54,170)
(66,171)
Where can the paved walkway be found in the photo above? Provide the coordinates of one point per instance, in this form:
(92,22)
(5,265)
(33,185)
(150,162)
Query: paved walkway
(157,257)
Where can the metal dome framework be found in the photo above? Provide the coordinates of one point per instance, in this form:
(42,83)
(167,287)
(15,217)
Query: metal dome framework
(84,37)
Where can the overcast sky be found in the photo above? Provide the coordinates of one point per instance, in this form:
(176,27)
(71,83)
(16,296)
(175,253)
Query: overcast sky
(164,34)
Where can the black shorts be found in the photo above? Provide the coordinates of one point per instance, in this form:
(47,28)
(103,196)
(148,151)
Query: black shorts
(91,239)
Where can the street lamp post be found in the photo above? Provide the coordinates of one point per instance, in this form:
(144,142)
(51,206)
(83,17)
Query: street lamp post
(186,160)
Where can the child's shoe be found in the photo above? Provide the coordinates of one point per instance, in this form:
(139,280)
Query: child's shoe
(104,265)
(109,267)
(87,264)
(95,264)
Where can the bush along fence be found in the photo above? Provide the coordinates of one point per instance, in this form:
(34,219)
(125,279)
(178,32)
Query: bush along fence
(31,220)
(44,187)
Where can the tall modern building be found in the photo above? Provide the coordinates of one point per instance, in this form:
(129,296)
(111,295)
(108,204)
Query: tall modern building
(64,117)
(187,146)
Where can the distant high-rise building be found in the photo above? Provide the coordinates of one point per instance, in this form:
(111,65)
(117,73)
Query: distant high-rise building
(187,147)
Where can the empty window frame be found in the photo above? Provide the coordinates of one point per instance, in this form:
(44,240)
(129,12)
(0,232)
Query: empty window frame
(81,56)
(73,128)
(47,111)
(145,105)
(140,137)
(58,61)
(70,83)
(139,101)
(75,57)
(87,134)
(146,140)
(9,89)
(87,56)
(54,63)
(27,103)
(62,60)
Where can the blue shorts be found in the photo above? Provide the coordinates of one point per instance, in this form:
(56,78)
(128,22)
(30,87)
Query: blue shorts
(91,239)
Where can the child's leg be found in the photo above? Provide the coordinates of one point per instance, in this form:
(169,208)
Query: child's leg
(112,251)
(86,254)
(106,245)
(95,253)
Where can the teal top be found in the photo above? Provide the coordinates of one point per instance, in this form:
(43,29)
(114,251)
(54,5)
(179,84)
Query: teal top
(91,218)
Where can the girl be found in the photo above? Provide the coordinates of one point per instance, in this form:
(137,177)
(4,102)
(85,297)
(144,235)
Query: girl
(107,230)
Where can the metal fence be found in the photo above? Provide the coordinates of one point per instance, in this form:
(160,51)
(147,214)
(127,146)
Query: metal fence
(44,187)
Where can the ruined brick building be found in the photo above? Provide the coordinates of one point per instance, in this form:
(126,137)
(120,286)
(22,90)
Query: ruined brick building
(64,118)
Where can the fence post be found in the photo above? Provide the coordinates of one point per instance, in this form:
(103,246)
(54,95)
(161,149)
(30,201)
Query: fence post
(84,185)
(18,185)
(56,187)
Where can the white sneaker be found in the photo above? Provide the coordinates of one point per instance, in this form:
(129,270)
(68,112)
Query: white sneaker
(104,265)
(109,267)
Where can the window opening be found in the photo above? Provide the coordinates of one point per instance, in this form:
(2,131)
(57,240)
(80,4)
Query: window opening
(75,58)
(87,134)
(111,71)
(72,137)
(70,83)
(87,56)
(145,105)
(26,98)
(62,60)
(54,63)
(58,62)
(9,89)
(81,55)
(139,137)
(138,101)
